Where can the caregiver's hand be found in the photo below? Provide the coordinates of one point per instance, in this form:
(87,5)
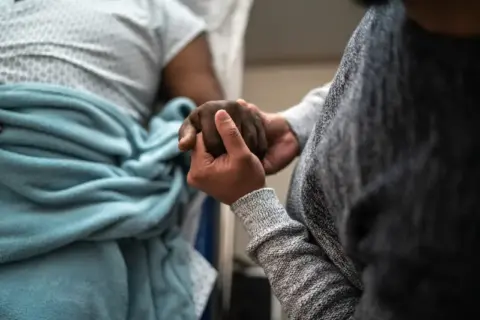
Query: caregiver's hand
(283,145)
(232,175)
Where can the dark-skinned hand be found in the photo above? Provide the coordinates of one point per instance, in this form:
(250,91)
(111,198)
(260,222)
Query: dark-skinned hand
(202,119)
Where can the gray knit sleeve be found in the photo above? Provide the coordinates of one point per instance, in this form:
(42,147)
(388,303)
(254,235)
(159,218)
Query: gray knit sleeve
(307,284)
(303,116)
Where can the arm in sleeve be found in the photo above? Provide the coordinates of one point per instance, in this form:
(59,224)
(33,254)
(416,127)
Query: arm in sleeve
(307,284)
(187,62)
(304,115)
(177,26)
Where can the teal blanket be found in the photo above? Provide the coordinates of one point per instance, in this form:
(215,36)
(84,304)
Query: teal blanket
(90,209)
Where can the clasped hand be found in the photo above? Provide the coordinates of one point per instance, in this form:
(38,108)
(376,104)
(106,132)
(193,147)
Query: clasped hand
(233,146)
(232,175)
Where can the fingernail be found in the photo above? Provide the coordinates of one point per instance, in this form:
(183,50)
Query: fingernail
(223,115)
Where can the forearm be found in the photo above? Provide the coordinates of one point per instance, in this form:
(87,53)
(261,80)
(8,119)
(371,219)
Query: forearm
(303,116)
(307,284)
(201,88)
(191,74)
(187,67)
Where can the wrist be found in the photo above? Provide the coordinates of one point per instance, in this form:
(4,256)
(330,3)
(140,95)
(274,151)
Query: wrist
(299,125)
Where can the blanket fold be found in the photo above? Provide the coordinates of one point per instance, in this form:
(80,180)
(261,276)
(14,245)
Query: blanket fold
(90,209)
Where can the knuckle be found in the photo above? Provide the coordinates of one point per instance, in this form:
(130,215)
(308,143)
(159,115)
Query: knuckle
(193,178)
(238,106)
(234,108)
(252,107)
(192,121)
(207,105)
(185,125)
(192,114)
(244,158)
(181,133)
(190,179)
(213,106)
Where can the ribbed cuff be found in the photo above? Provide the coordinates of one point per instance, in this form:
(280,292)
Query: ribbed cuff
(260,210)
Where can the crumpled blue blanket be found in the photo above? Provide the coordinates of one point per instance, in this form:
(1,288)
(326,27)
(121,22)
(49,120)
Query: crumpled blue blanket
(90,206)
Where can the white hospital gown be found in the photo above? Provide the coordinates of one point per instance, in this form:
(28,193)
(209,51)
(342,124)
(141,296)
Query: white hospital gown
(115,49)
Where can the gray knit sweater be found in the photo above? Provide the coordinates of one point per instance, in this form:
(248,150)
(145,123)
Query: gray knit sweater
(375,169)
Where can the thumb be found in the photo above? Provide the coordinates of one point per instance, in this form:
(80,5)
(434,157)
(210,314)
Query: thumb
(268,166)
(231,137)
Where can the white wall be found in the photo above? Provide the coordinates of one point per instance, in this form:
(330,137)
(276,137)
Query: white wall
(299,30)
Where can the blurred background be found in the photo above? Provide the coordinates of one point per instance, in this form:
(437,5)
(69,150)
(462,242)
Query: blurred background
(290,48)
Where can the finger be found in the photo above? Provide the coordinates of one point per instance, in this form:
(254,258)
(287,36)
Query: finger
(200,155)
(257,110)
(200,144)
(262,143)
(200,160)
(260,122)
(242,102)
(248,131)
(188,131)
(252,131)
(268,166)
(253,107)
(232,139)
(211,138)
(186,136)
(248,105)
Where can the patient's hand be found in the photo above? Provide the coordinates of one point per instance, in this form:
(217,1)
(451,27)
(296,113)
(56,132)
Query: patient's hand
(202,120)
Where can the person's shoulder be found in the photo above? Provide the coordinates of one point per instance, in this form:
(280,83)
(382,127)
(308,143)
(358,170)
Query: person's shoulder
(376,19)
(386,12)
